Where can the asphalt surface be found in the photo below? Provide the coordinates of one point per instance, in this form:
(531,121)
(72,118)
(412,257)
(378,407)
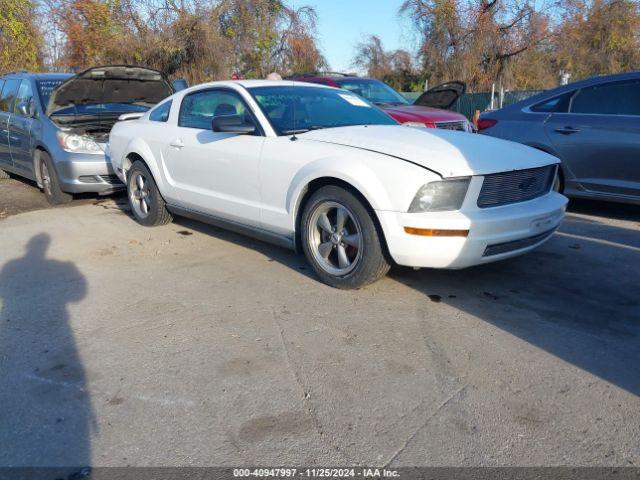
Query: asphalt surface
(188,345)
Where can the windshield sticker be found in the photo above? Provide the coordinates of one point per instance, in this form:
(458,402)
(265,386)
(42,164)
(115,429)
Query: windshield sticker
(353,100)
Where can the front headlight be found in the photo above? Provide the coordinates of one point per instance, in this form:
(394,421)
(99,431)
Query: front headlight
(70,142)
(441,195)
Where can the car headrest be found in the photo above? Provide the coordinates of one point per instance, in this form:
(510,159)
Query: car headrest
(224,109)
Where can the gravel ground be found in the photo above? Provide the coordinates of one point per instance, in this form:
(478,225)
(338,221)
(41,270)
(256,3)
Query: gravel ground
(187,345)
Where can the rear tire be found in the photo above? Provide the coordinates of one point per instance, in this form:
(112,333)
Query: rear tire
(147,205)
(50,183)
(4,175)
(340,239)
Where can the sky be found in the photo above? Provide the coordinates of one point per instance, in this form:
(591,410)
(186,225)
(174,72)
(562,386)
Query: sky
(343,23)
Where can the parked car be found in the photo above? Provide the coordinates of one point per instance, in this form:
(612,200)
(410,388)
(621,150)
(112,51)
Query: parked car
(592,126)
(322,170)
(54,127)
(431,108)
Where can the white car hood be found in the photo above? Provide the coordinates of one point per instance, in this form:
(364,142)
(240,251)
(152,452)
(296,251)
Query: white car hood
(449,153)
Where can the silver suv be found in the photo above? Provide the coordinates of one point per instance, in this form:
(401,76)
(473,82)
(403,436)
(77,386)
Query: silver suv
(54,127)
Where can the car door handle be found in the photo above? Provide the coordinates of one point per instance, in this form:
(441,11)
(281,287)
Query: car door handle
(177,143)
(567,130)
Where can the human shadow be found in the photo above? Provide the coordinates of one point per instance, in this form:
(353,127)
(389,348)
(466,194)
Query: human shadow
(46,415)
(576,296)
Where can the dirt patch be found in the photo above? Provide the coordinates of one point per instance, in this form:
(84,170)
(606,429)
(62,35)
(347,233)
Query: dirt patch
(20,196)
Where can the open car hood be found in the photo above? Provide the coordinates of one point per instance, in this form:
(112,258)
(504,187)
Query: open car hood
(111,84)
(442,96)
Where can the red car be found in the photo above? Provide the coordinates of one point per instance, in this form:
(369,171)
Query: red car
(429,110)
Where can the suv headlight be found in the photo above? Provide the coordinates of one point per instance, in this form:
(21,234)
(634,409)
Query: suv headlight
(441,195)
(70,142)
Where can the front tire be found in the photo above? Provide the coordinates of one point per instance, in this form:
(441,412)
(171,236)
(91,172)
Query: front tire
(50,182)
(340,239)
(147,205)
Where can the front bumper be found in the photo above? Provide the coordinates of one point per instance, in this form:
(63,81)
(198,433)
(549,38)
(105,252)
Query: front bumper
(494,233)
(79,173)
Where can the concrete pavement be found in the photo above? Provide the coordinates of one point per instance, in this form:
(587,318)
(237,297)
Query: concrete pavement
(188,345)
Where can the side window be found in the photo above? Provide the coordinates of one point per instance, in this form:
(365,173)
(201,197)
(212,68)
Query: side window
(8,95)
(161,112)
(559,104)
(616,98)
(199,108)
(25,94)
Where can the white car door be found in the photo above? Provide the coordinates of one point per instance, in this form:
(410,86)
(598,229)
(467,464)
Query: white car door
(215,173)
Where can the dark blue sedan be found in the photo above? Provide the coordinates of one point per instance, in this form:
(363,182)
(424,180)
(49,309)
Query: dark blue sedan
(592,126)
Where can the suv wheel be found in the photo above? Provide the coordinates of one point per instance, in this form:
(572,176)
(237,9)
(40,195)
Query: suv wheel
(340,239)
(146,202)
(50,184)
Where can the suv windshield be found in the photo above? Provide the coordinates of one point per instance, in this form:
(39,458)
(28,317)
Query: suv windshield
(46,86)
(294,109)
(373,90)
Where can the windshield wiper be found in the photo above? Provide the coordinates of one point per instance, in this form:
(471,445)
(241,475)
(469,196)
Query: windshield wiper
(389,104)
(303,130)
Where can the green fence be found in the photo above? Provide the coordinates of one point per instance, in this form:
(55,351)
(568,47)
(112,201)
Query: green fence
(468,103)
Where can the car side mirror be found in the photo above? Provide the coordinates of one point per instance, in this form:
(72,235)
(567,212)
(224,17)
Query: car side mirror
(232,124)
(26,109)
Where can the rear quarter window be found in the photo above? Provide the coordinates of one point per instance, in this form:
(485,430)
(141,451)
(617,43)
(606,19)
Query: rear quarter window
(161,112)
(559,104)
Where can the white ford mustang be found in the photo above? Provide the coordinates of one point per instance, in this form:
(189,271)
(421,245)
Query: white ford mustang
(320,169)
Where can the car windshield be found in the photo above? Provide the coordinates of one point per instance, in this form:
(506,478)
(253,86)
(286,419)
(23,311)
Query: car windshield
(297,109)
(373,90)
(46,87)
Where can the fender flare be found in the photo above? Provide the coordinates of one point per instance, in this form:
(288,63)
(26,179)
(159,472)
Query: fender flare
(140,148)
(362,179)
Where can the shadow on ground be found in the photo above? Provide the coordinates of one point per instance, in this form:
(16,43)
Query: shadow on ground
(583,312)
(44,397)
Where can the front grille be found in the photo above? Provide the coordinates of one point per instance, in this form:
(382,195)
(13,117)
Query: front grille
(456,125)
(111,179)
(514,245)
(517,186)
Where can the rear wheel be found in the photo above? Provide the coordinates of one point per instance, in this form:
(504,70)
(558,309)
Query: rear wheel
(340,239)
(50,183)
(147,205)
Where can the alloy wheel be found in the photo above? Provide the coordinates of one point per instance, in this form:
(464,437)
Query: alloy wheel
(140,195)
(335,238)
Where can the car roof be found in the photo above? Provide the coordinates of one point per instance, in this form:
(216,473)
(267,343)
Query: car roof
(254,84)
(38,76)
(278,83)
(334,77)
(602,78)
